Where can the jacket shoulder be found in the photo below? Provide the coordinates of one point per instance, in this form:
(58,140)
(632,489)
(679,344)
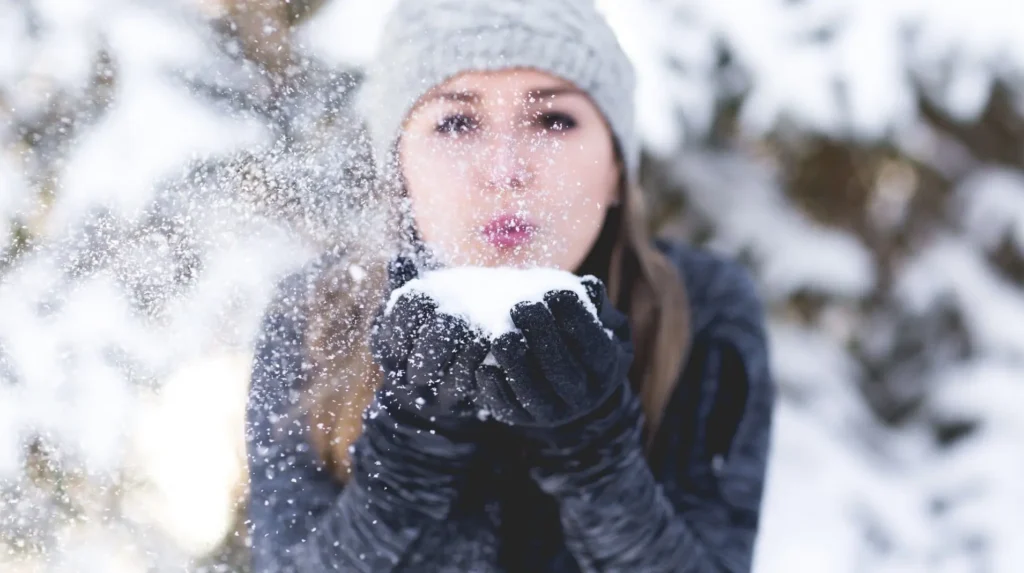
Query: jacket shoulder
(717,288)
(293,290)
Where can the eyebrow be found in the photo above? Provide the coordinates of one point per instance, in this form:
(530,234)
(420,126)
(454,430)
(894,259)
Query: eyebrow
(473,97)
(461,96)
(546,93)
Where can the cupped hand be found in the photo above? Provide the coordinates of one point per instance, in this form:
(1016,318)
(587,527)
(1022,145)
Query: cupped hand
(428,357)
(562,364)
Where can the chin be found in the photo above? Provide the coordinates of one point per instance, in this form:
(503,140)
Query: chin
(533,259)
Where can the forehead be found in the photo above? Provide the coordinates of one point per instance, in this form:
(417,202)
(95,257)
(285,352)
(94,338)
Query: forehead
(516,83)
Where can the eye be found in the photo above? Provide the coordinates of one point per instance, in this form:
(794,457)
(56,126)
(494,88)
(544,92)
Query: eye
(455,124)
(557,121)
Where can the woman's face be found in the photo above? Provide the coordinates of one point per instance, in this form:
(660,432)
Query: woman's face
(511,168)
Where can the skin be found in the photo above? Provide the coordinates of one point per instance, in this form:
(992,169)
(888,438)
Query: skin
(520,150)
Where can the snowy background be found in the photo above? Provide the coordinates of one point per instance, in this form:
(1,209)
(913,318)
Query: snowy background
(162,163)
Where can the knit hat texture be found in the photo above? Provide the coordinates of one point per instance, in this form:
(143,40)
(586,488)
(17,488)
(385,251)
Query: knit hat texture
(426,42)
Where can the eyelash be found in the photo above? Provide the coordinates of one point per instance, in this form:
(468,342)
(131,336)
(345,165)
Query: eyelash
(455,124)
(458,124)
(557,121)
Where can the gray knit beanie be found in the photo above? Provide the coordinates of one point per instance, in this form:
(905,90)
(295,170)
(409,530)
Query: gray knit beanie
(426,42)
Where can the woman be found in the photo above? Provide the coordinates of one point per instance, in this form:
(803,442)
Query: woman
(504,136)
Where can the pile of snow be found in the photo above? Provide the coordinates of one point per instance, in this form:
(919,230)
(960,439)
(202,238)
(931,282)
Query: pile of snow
(484,296)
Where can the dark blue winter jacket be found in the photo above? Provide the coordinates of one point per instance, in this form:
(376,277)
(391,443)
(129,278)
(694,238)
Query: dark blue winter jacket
(690,504)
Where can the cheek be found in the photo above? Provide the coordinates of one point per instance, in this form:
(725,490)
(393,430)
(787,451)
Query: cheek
(585,182)
(437,183)
(581,191)
(575,221)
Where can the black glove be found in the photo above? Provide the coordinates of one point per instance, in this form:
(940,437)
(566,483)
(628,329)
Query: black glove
(429,358)
(562,366)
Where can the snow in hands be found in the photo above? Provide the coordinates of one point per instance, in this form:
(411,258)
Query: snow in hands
(483,296)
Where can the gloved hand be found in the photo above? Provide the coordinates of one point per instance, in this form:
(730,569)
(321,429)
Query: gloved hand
(429,358)
(561,366)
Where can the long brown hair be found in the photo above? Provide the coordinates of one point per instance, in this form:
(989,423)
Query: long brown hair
(641,282)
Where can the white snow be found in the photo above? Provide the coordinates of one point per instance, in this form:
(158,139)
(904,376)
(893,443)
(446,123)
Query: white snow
(12,425)
(153,128)
(195,508)
(484,296)
(346,32)
(825,491)
(645,35)
(991,204)
(14,196)
(978,476)
(818,374)
(69,387)
(993,309)
(746,202)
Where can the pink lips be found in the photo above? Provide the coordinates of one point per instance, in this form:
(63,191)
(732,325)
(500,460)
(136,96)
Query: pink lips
(509,231)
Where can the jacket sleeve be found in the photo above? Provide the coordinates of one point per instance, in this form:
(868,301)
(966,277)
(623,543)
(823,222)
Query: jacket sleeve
(693,504)
(300,518)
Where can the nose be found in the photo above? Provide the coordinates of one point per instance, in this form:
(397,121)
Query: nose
(507,166)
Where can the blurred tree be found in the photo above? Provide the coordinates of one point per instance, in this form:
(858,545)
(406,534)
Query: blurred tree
(928,208)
